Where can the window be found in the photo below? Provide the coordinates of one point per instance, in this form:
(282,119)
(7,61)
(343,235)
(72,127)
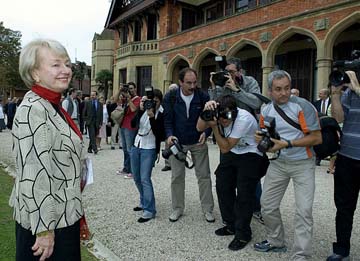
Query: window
(191,18)
(151,27)
(137,31)
(124,32)
(214,12)
(93,72)
(122,76)
(143,78)
(94,45)
(242,5)
(228,7)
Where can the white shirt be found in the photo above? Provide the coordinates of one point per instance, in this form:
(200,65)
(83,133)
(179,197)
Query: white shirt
(105,114)
(2,116)
(187,100)
(65,105)
(243,128)
(145,138)
(326,102)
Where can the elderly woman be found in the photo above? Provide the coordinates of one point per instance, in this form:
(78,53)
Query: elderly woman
(150,123)
(47,149)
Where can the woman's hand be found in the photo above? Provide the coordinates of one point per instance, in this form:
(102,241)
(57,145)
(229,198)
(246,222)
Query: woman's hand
(44,245)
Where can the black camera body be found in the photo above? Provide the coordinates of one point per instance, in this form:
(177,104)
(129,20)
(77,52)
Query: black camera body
(269,132)
(208,115)
(175,149)
(125,88)
(150,103)
(339,77)
(219,78)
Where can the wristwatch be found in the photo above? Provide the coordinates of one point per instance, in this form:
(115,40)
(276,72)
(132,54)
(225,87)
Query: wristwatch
(289,144)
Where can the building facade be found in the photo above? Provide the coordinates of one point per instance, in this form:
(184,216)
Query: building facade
(156,39)
(102,57)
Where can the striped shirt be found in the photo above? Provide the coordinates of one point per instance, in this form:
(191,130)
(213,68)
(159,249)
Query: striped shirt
(300,111)
(350,140)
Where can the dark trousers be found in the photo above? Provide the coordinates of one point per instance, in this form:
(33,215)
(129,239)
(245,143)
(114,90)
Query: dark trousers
(93,131)
(346,193)
(67,244)
(236,178)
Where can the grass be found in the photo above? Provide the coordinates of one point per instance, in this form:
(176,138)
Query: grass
(7,224)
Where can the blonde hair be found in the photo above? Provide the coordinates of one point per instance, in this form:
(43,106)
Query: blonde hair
(30,60)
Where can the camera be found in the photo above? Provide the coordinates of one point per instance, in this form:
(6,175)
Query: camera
(269,132)
(175,149)
(208,115)
(125,88)
(219,77)
(339,77)
(150,103)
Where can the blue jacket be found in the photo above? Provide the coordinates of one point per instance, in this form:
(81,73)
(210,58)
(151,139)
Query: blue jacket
(175,119)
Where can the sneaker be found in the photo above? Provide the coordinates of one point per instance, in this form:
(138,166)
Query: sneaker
(175,215)
(128,176)
(121,172)
(257,215)
(209,217)
(265,246)
(237,244)
(224,231)
(336,257)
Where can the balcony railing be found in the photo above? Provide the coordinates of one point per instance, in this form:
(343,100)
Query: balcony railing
(138,48)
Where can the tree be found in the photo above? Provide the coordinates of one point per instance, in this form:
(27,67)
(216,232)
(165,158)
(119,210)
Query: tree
(103,78)
(10,46)
(79,71)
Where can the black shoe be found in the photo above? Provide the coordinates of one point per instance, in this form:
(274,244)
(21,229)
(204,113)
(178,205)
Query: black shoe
(95,151)
(336,257)
(143,220)
(224,231)
(138,209)
(89,151)
(237,244)
(166,168)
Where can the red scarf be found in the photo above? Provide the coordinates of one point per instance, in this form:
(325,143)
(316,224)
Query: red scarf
(54,98)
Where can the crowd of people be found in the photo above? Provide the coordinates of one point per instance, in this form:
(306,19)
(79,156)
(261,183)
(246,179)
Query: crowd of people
(50,152)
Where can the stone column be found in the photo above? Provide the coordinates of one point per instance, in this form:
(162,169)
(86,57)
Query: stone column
(323,71)
(266,71)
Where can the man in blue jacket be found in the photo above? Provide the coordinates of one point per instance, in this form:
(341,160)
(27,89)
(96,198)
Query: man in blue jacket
(181,112)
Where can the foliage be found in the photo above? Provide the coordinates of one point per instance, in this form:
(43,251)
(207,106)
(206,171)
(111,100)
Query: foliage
(79,72)
(7,224)
(10,46)
(104,77)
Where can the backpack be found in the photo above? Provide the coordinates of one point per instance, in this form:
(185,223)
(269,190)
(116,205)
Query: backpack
(331,133)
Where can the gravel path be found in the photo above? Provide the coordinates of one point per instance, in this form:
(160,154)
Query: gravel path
(109,201)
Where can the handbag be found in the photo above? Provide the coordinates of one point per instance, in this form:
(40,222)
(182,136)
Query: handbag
(118,115)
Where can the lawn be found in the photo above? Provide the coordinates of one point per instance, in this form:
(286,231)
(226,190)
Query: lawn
(7,225)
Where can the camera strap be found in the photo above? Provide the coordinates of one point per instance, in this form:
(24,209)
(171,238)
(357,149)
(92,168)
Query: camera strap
(184,160)
(286,118)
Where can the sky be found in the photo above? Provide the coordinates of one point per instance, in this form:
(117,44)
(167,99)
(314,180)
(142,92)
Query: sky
(71,22)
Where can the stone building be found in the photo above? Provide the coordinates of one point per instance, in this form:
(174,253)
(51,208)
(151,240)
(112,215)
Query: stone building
(154,39)
(102,55)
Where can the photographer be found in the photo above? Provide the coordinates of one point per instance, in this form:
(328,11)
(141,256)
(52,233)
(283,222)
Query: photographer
(295,162)
(236,84)
(132,103)
(150,123)
(181,112)
(345,106)
(242,88)
(241,166)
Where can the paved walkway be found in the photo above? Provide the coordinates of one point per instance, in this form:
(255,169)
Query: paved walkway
(109,202)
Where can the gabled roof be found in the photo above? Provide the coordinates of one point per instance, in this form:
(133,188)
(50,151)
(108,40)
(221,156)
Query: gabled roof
(121,10)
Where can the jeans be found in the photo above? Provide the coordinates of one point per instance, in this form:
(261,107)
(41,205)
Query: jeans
(127,139)
(142,162)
